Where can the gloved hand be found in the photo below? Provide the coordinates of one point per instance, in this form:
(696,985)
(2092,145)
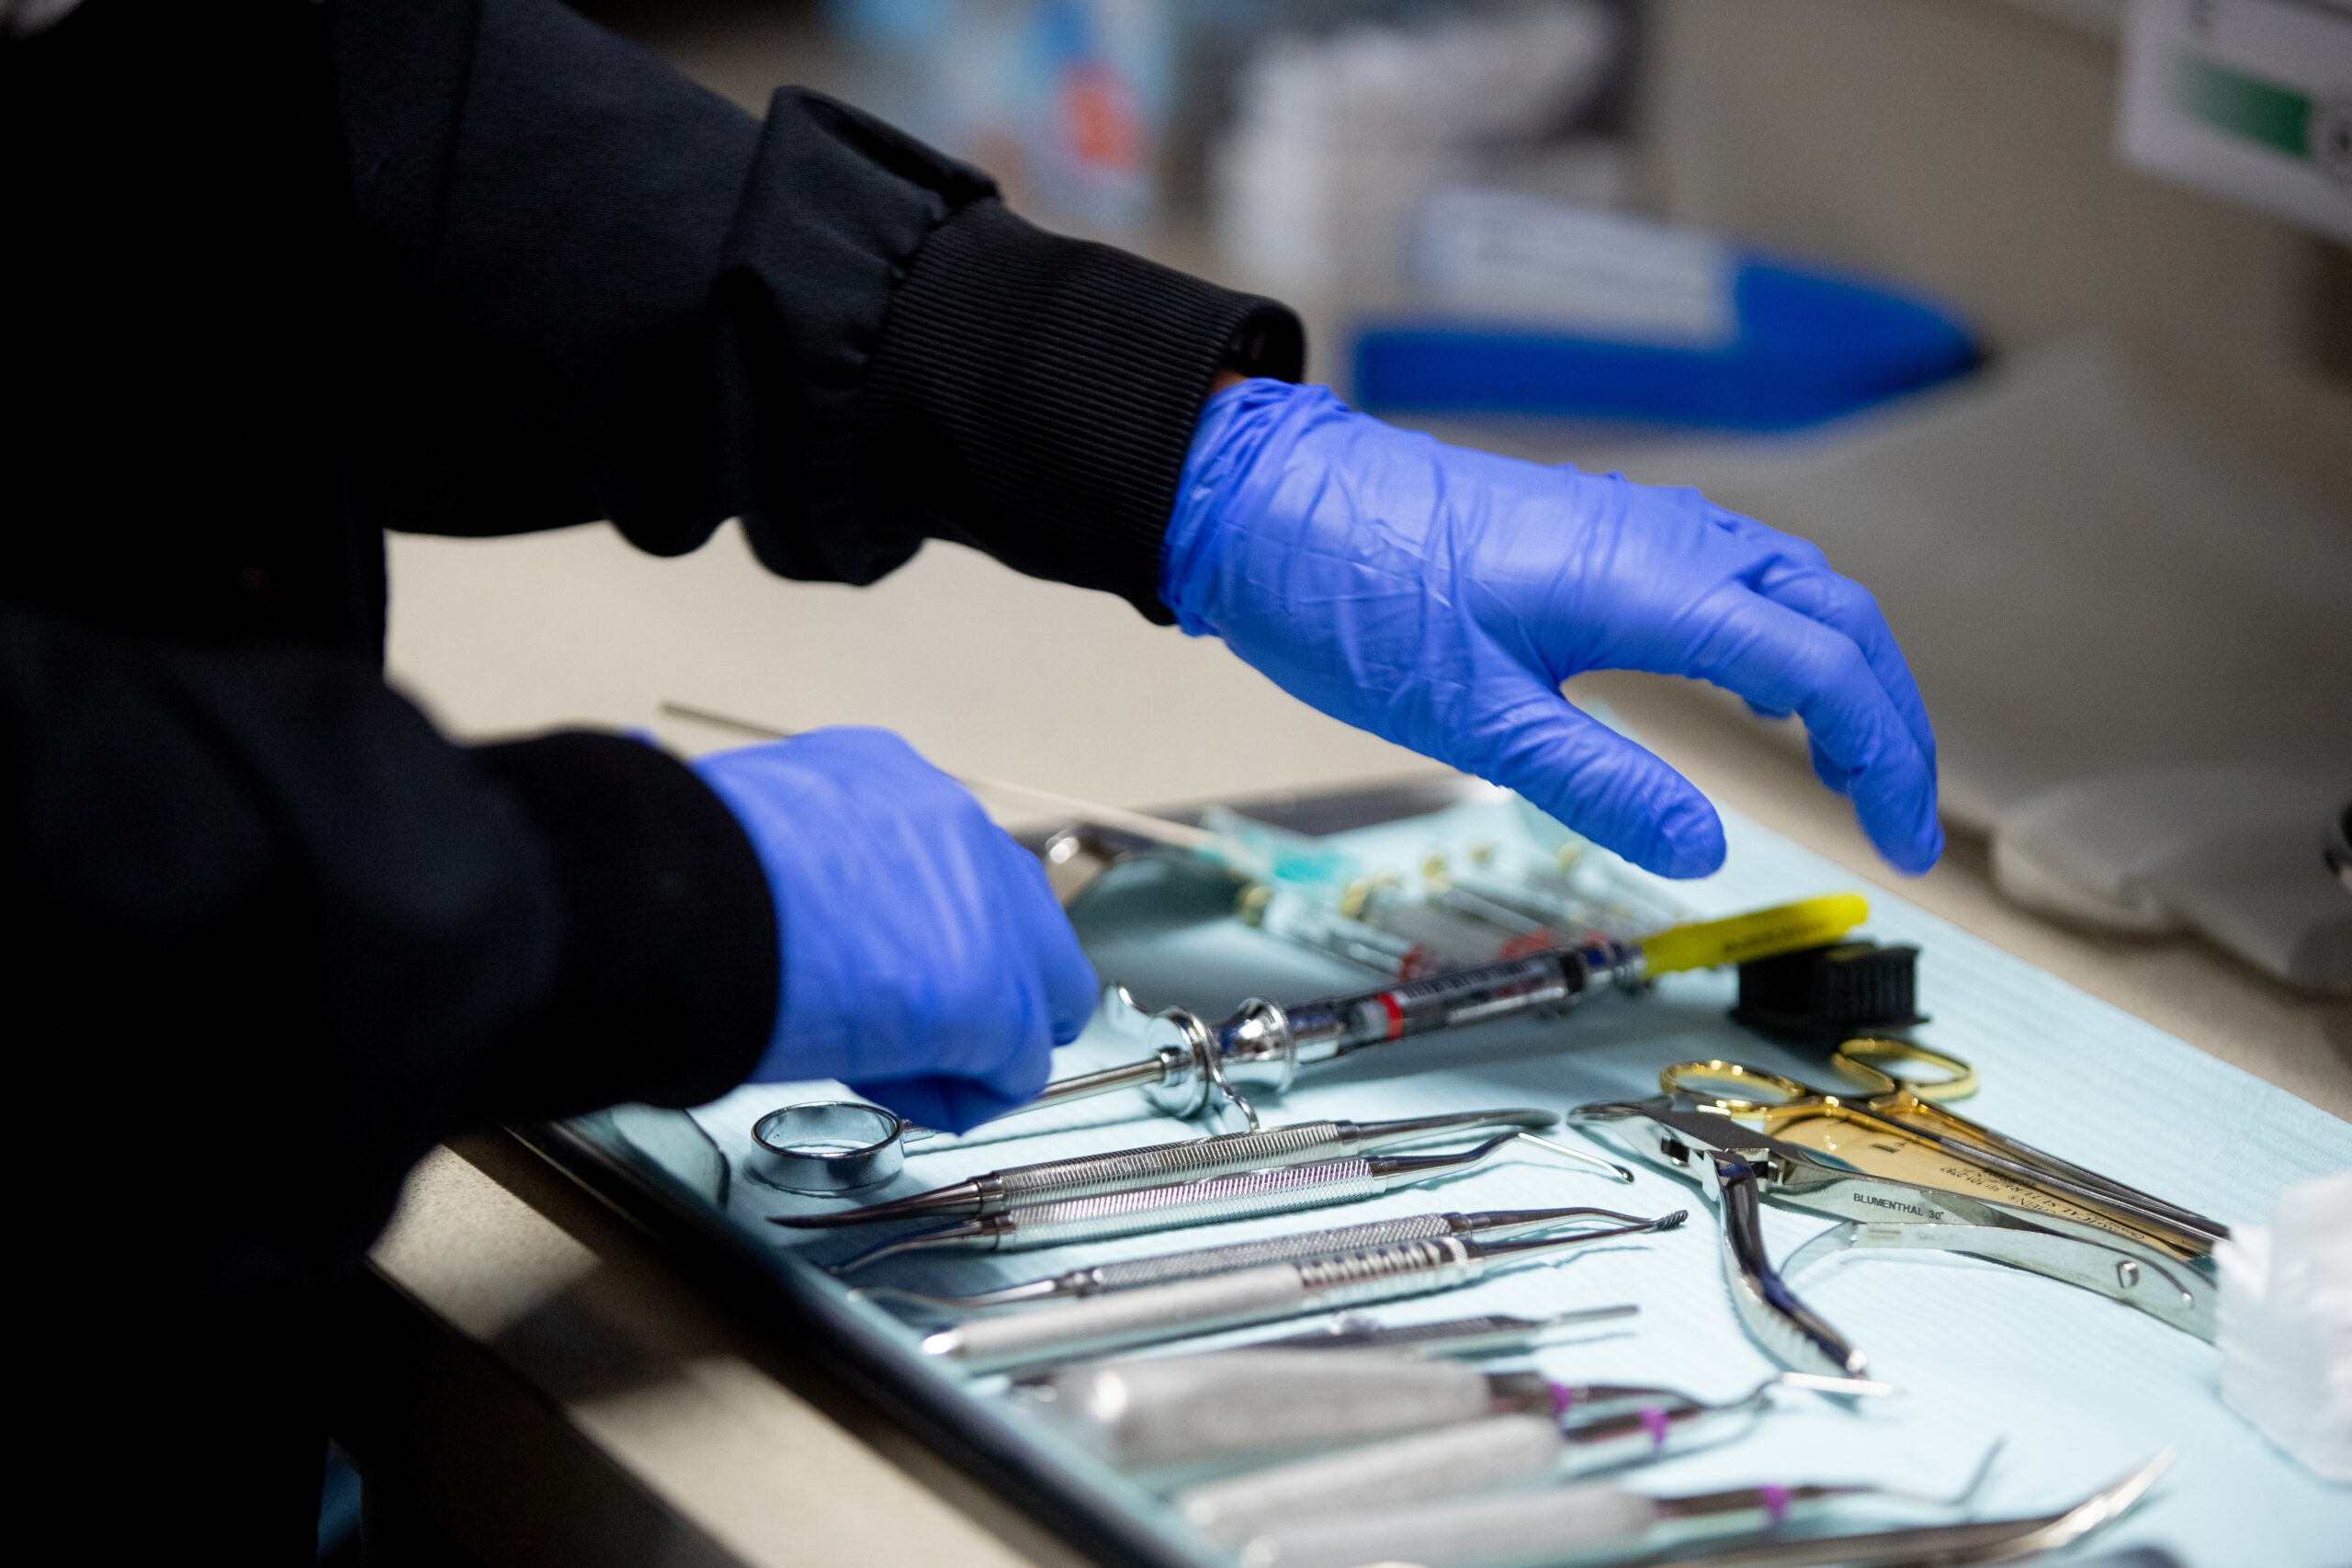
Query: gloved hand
(925,962)
(1438,596)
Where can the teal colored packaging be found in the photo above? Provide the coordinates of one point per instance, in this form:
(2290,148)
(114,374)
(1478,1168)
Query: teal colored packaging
(1067,102)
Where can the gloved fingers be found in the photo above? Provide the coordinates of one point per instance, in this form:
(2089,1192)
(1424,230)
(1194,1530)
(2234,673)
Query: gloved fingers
(1828,769)
(1774,714)
(1605,787)
(1065,978)
(950,1103)
(917,938)
(1847,605)
(1775,657)
(1071,987)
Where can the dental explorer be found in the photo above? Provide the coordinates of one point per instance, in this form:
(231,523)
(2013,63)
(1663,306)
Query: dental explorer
(1571,1521)
(1246,1195)
(1196,1263)
(1191,1159)
(1224,1404)
(1262,1045)
(1155,1313)
(1598,1427)
(1484,1334)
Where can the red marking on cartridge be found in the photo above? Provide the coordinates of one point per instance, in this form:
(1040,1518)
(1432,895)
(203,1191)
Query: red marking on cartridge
(1395,1015)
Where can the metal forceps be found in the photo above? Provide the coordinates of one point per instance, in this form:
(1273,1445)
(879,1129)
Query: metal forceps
(1898,1127)
(1688,1133)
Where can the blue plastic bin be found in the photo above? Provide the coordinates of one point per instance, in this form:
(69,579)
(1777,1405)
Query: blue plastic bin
(1811,345)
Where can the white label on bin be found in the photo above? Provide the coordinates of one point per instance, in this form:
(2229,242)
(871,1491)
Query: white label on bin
(1507,256)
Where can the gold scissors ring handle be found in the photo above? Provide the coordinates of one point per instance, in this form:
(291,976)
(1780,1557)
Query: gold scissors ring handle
(1864,1062)
(1704,1079)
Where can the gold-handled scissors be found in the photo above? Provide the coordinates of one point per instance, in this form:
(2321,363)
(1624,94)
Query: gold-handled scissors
(1896,1127)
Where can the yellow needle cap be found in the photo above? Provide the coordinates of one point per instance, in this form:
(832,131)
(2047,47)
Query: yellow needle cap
(1760,934)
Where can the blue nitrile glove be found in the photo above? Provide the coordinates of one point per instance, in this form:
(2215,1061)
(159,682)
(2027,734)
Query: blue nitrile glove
(1438,596)
(925,962)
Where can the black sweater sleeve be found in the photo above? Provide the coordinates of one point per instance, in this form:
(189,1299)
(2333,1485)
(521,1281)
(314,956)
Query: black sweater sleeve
(609,294)
(268,937)
(254,888)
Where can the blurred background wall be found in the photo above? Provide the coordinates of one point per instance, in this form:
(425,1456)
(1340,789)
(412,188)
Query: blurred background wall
(1968,146)
(1965,147)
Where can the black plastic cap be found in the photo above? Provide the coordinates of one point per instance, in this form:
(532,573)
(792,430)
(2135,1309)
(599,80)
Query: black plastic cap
(1824,995)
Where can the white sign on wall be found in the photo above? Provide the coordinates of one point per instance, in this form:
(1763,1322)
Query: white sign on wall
(2250,100)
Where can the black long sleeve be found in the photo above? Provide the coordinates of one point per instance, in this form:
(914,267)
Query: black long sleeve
(258,876)
(618,295)
(269,938)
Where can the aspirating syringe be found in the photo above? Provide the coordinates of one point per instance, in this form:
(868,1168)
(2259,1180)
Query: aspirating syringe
(1199,1067)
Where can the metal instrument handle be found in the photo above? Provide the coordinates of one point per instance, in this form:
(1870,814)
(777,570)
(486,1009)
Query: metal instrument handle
(1463,1531)
(1167,1266)
(1385,1273)
(1126,1318)
(1192,1203)
(1123,1318)
(1190,1160)
(1477,1456)
(1182,1409)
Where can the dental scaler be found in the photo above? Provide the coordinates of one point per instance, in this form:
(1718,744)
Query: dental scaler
(1200,1262)
(1271,1291)
(1247,1196)
(1590,1428)
(1229,1404)
(1194,1159)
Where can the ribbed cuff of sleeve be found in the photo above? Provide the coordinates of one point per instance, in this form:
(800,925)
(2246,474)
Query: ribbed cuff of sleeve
(666,991)
(1035,396)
